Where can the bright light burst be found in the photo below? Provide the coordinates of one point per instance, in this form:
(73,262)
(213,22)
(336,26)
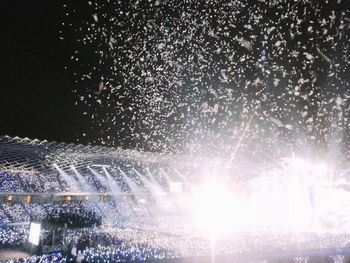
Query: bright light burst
(217,210)
(297,196)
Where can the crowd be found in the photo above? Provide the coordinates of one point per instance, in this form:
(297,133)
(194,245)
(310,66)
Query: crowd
(35,211)
(57,257)
(23,213)
(20,182)
(138,239)
(53,182)
(12,237)
(16,212)
(3,217)
(131,230)
(75,214)
(29,183)
(9,183)
(115,250)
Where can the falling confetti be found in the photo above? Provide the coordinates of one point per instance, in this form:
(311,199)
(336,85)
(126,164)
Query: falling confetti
(187,76)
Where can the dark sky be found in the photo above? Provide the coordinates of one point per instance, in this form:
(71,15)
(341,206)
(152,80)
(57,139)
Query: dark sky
(175,72)
(36,90)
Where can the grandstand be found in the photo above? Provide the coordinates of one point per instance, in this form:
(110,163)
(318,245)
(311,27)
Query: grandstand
(49,182)
(35,162)
(39,156)
(100,203)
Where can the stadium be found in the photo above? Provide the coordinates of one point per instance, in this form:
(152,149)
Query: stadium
(66,202)
(175,131)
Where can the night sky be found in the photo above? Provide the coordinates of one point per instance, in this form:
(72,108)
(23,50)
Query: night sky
(177,75)
(36,90)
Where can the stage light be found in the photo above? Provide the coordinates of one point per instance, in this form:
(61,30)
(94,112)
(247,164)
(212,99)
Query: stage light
(217,210)
(175,187)
(281,206)
(288,198)
(34,233)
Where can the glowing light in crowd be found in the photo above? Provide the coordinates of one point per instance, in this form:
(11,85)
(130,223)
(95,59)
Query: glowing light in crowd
(297,196)
(217,210)
(284,198)
(34,233)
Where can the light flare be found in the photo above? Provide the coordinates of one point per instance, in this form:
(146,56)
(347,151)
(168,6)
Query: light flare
(296,196)
(217,210)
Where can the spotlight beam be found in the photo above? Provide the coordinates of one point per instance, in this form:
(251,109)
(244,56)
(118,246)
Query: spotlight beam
(233,155)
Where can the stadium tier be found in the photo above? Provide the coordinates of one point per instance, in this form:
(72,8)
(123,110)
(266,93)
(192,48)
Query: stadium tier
(33,166)
(39,156)
(74,203)
(77,188)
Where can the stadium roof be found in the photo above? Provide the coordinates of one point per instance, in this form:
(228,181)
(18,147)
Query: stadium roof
(39,156)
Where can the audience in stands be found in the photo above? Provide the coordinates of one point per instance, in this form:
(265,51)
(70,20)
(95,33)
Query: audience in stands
(131,232)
